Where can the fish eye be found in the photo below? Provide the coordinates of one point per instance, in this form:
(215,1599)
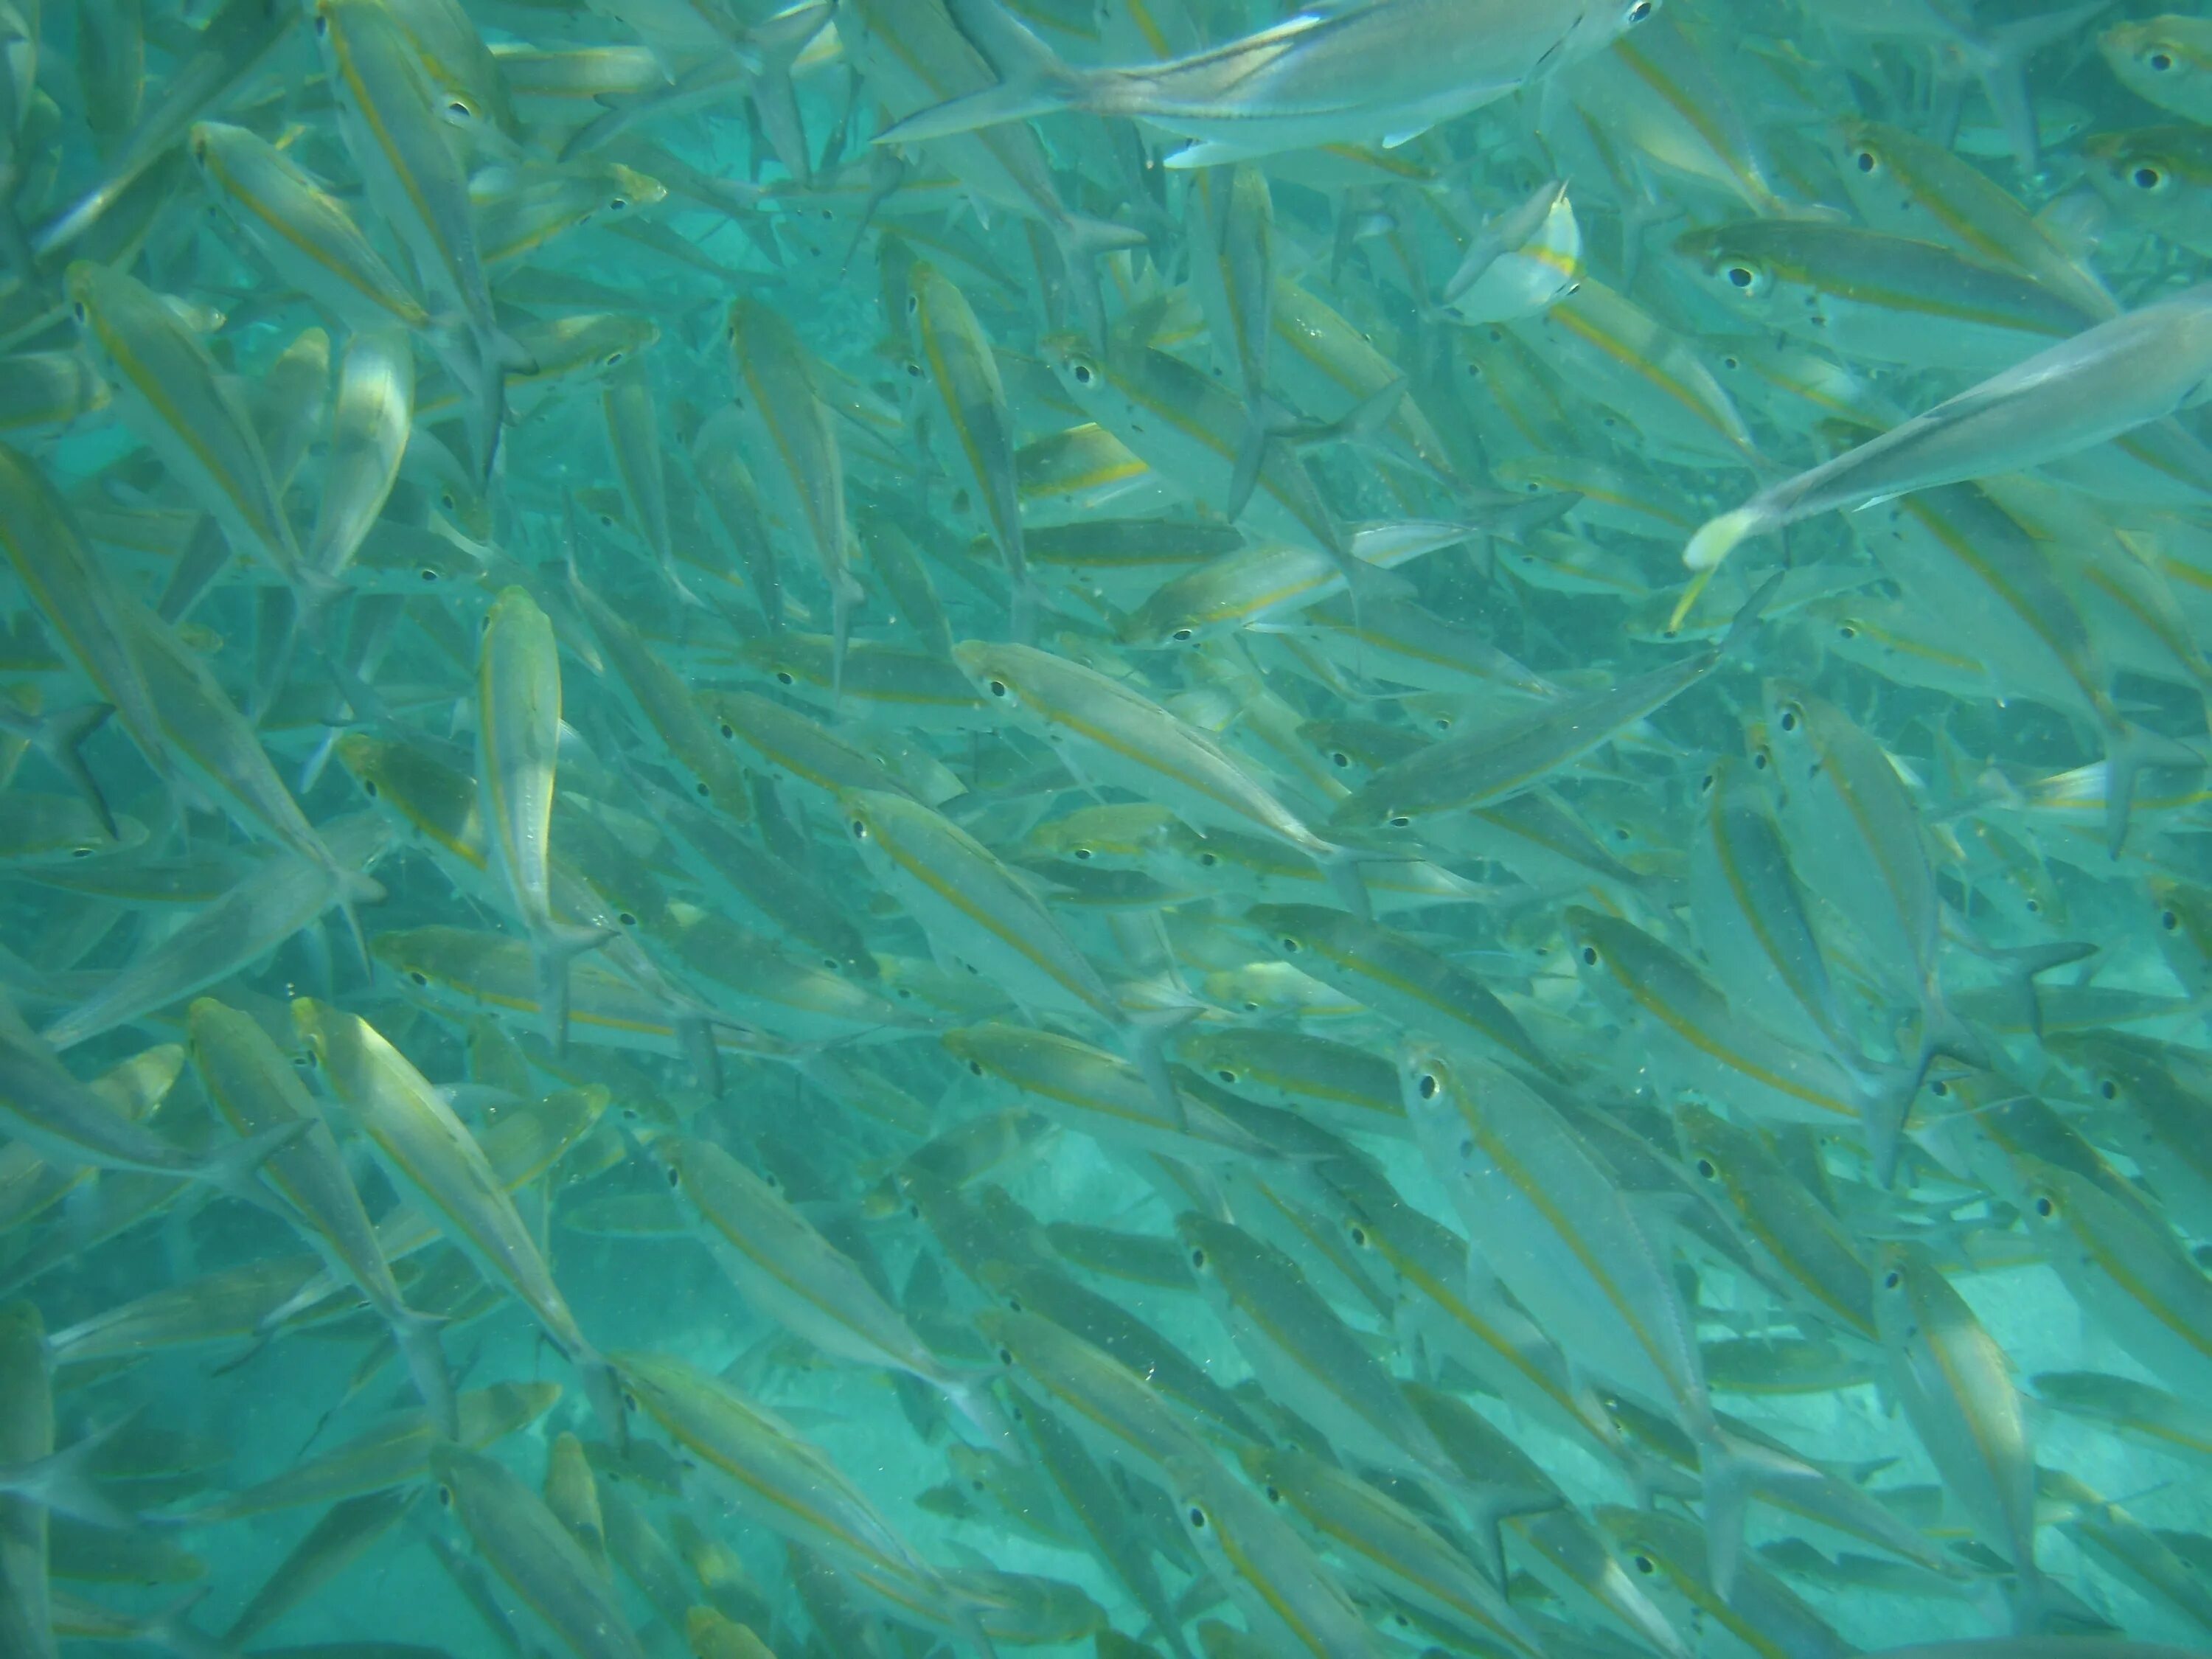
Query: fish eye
(1845,631)
(674,1179)
(1590,955)
(1198,1258)
(1741,276)
(613,359)
(419,977)
(2169,921)
(1357,1235)
(445,1493)
(1940,1088)
(913,304)
(1083,853)
(1866,159)
(1084,376)
(728,730)
(1428,1086)
(783,676)
(1338,757)
(1705,782)
(630,1401)
(2109,1089)
(1274,1495)
(79,852)
(1758,761)
(2146,178)
(1401,821)
(2161,61)
(1180,634)
(1645,1564)
(618,203)
(1006,1356)
(1706,1168)
(78,311)
(976,1067)
(1197,1518)
(427,573)
(2044,1207)
(1641,9)
(323,26)
(998,688)
(457,107)
(705,794)
(368,788)
(859,830)
(1892,1279)
(626,919)
(1789,720)
(1209,859)
(914,371)
(1290,946)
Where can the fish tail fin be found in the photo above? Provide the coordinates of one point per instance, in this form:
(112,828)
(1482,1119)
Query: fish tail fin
(2002,69)
(1883,1121)
(354,889)
(846,596)
(2021,963)
(1345,881)
(972,1398)
(1747,620)
(604,1389)
(63,1481)
(1032,79)
(1731,1469)
(1942,1032)
(555,948)
(1147,1045)
(2128,752)
(62,741)
(1028,603)
(968,1621)
(415,1334)
(2029,1602)
(233,1171)
(278,668)
(1251,456)
(697,1035)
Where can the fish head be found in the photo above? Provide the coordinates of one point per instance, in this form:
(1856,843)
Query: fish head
(2159,58)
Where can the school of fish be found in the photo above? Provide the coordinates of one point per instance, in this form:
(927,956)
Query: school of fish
(1128,828)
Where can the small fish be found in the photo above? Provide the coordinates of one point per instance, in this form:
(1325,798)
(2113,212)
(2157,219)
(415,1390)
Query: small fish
(518,734)
(432,1155)
(533,1552)
(1389,71)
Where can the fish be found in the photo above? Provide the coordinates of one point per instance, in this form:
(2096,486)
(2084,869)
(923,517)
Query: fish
(532,1553)
(1386,71)
(1425,775)
(446,1171)
(1955,1385)
(518,729)
(788,1269)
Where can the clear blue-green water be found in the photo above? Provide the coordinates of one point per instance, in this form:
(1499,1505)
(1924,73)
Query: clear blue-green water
(1146,828)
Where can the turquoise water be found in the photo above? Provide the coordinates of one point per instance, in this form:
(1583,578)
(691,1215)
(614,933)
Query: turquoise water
(1157,828)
